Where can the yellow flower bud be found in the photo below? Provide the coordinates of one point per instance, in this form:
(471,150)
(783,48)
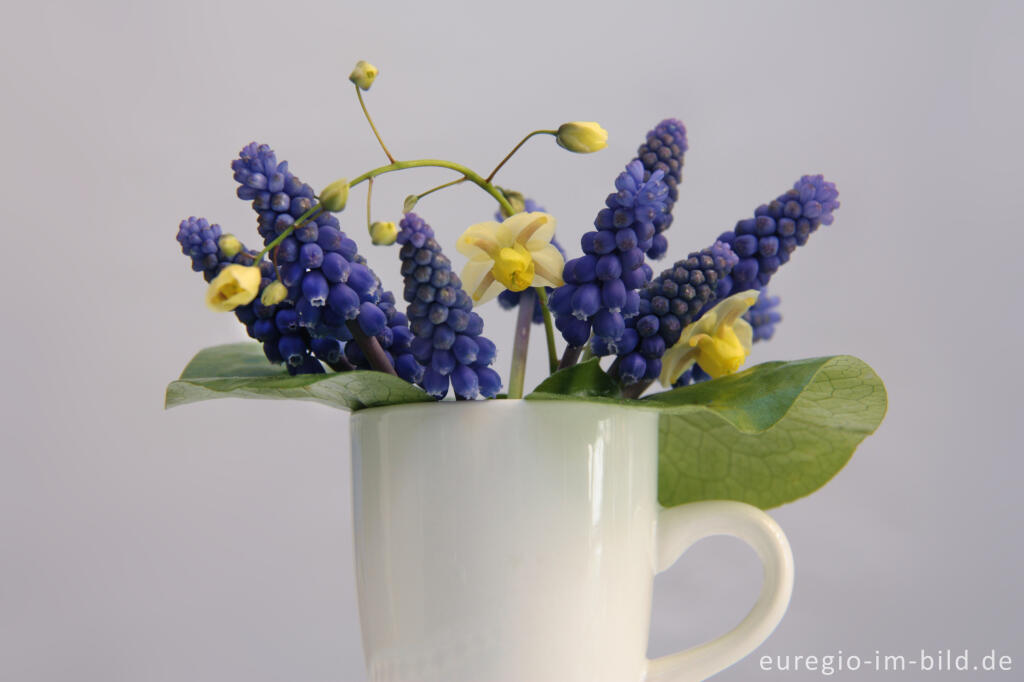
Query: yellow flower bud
(364,74)
(514,267)
(516,199)
(334,197)
(229,245)
(383,233)
(582,137)
(235,285)
(274,293)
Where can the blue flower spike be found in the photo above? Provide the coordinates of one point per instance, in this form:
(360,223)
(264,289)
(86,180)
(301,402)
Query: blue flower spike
(664,150)
(447,333)
(601,287)
(329,284)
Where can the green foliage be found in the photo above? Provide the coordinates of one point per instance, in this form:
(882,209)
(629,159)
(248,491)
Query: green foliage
(765,436)
(240,370)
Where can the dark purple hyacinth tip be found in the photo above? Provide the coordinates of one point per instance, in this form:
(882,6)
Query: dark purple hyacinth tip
(664,151)
(766,241)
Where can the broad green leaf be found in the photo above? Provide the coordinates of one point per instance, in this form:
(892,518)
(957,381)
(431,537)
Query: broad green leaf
(766,436)
(582,380)
(753,399)
(240,370)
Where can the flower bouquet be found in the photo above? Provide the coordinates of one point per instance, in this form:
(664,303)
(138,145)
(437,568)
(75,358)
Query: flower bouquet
(325,329)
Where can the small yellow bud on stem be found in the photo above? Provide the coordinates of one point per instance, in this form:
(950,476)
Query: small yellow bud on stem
(364,74)
(229,245)
(334,197)
(582,137)
(383,233)
(274,293)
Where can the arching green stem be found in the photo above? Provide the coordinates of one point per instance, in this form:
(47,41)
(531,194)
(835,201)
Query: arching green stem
(439,163)
(373,127)
(516,148)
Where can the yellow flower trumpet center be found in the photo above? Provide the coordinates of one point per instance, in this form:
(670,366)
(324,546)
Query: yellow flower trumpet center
(514,267)
(721,354)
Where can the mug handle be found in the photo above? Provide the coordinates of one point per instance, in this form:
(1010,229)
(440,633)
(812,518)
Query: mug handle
(678,529)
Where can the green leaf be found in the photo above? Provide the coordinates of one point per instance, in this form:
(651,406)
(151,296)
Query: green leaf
(766,436)
(240,370)
(586,379)
(753,399)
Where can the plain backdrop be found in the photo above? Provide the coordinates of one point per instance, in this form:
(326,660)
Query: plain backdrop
(213,542)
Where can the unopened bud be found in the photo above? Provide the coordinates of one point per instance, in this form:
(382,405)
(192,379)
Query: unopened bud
(229,245)
(363,75)
(582,137)
(274,293)
(334,197)
(383,233)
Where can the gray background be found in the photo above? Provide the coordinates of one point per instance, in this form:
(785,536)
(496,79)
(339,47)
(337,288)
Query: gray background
(213,542)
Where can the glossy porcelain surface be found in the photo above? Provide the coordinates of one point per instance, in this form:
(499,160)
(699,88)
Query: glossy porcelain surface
(512,541)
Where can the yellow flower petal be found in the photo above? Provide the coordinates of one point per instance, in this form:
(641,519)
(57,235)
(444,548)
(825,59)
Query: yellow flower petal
(745,333)
(548,265)
(478,241)
(490,292)
(533,230)
(473,274)
(235,285)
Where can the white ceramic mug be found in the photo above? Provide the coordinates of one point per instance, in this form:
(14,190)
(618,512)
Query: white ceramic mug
(517,541)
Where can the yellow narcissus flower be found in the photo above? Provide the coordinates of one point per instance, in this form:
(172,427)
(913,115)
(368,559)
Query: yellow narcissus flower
(514,255)
(582,137)
(235,285)
(719,341)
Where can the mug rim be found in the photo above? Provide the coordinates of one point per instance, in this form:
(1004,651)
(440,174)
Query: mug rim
(506,403)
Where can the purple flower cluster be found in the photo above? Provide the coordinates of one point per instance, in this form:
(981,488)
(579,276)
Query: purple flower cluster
(270,325)
(328,282)
(600,290)
(664,151)
(448,338)
(674,299)
(766,241)
(277,196)
(763,316)
(198,239)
